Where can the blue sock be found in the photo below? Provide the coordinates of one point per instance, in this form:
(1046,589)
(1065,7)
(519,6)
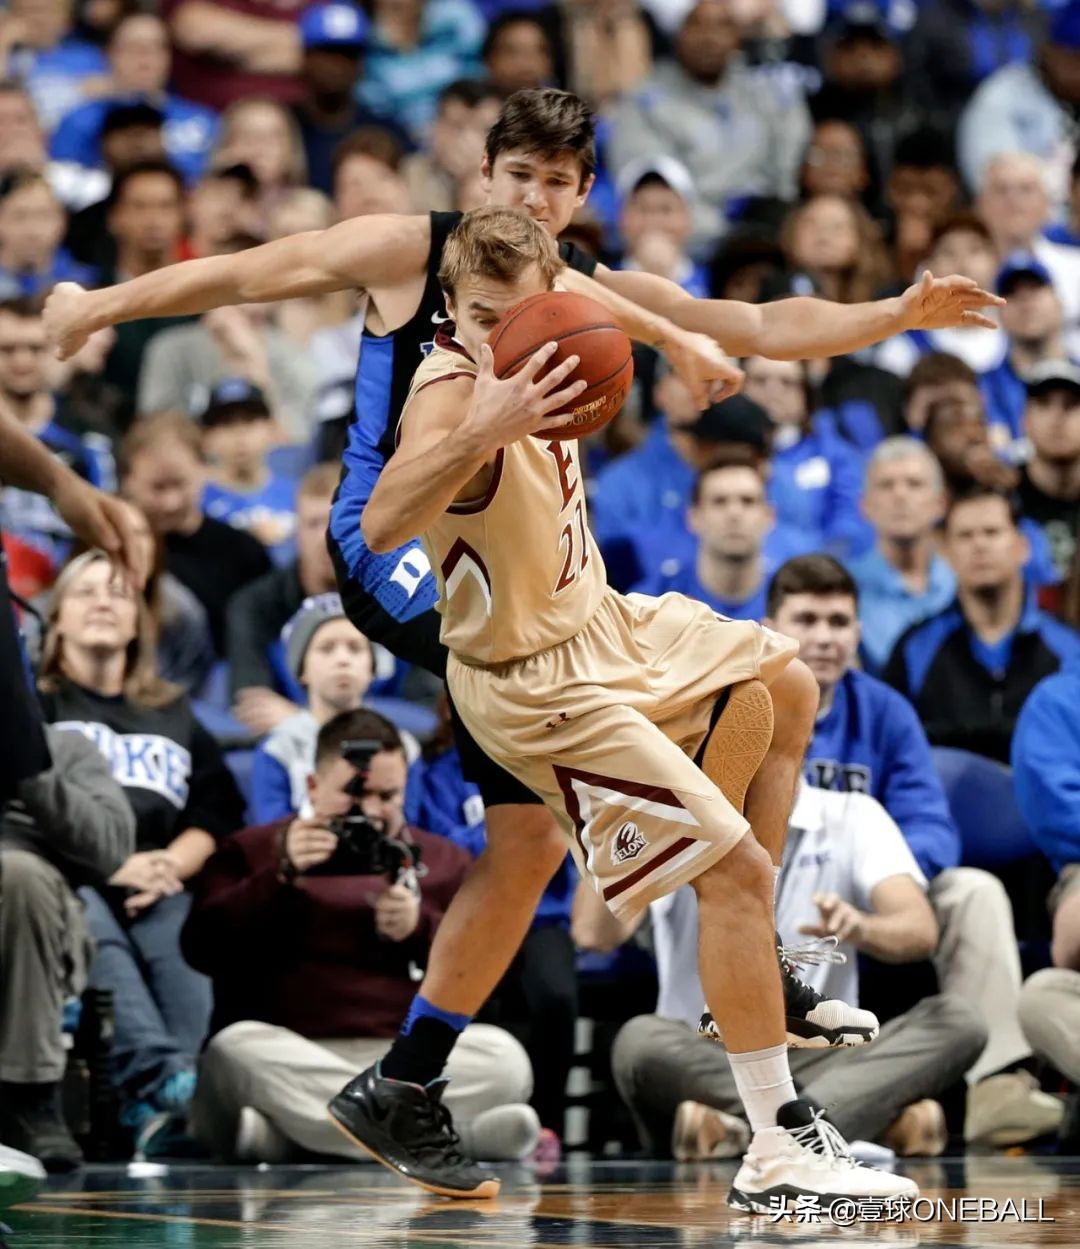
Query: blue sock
(423,1045)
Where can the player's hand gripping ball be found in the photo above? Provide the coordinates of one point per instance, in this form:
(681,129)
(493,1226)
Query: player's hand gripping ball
(581,327)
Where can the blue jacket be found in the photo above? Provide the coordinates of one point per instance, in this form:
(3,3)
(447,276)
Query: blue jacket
(968,694)
(887,607)
(1046,765)
(1005,397)
(870,741)
(683,579)
(815,486)
(189,133)
(441,800)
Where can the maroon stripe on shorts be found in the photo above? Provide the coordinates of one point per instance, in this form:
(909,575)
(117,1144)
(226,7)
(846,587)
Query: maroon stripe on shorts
(647,869)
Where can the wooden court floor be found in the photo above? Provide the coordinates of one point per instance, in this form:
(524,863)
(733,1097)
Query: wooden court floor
(589,1205)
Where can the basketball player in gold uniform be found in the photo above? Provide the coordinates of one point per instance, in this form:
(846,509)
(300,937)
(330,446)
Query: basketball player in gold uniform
(601,702)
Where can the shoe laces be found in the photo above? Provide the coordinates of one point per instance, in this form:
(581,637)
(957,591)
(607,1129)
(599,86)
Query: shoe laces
(813,953)
(824,1139)
(437,1130)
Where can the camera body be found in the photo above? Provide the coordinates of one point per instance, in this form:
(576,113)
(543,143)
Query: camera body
(363,847)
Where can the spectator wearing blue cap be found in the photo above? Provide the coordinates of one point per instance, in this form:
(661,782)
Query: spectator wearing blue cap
(1033,319)
(416,48)
(139,64)
(1029,106)
(334,37)
(241,488)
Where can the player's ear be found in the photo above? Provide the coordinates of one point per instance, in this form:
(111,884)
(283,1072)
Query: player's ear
(485,172)
(586,187)
(448,299)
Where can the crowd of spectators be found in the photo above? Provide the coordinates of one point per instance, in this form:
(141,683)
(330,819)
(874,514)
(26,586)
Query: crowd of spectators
(908,513)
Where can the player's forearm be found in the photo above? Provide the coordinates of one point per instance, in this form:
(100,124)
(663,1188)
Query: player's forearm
(278,270)
(900,938)
(413,492)
(802,328)
(261,45)
(641,324)
(26,462)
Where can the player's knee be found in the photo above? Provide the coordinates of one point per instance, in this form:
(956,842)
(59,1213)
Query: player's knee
(795,696)
(527,838)
(744,876)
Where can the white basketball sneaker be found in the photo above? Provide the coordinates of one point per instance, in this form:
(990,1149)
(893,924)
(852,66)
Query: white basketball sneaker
(804,1158)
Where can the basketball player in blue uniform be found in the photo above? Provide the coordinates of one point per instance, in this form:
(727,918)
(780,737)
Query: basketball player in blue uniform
(540,157)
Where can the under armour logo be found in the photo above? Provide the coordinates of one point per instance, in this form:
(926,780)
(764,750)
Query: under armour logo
(561,718)
(629,843)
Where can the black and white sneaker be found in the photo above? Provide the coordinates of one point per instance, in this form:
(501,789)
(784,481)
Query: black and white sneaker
(409,1130)
(805,1156)
(813,1021)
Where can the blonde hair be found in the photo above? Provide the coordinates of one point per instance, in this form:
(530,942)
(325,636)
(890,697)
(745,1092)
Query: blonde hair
(498,244)
(152,431)
(142,684)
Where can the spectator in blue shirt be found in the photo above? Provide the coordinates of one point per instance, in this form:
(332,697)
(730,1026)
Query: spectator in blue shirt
(902,578)
(334,37)
(731,520)
(656,221)
(139,63)
(242,489)
(639,502)
(32,223)
(868,740)
(968,669)
(41,50)
(25,387)
(816,477)
(416,48)
(1034,319)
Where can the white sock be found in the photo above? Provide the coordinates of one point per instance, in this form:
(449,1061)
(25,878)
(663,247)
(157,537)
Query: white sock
(764,1083)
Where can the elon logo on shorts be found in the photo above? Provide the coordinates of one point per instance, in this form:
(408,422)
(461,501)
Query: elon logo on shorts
(629,843)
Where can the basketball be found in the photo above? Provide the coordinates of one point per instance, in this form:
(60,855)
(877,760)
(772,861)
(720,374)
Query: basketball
(581,327)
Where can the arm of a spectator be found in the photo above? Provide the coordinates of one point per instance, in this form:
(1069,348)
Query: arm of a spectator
(190,851)
(804,327)
(912,793)
(234,909)
(901,927)
(254,43)
(249,634)
(271,792)
(363,252)
(78,809)
(592,925)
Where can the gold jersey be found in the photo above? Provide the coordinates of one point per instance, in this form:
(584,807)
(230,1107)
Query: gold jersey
(517,568)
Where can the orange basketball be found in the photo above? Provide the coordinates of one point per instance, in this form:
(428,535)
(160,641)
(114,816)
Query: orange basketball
(581,327)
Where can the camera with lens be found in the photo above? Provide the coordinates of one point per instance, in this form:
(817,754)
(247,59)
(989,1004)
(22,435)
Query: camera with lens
(363,847)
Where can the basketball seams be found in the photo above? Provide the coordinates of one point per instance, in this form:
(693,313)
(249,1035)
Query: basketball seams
(508,371)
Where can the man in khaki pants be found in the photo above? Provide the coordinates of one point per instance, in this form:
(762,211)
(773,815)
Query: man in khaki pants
(314,966)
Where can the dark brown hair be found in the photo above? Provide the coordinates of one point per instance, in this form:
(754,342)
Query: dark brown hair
(737,455)
(371,141)
(809,574)
(355,726)
(936,367)
(974,493)
(545,122)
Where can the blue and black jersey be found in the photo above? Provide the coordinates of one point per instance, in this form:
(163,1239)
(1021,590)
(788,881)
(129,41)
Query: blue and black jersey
(384,592)
(968,693)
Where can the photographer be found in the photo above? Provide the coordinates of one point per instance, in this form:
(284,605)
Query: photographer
(314,932)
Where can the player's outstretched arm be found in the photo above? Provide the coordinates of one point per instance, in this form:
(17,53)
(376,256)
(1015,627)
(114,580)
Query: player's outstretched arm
(450,431)
(803,328)
(371,252)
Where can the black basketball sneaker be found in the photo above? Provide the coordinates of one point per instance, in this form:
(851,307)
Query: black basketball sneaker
(813,1020)
(409,1130)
